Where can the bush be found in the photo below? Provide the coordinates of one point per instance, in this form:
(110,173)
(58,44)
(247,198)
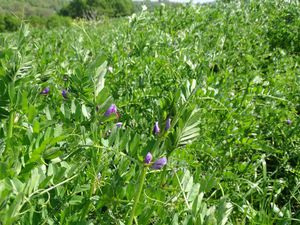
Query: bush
(12,23)
(2,24)
(37,21)
(57,21)
(284,30)
(96,8)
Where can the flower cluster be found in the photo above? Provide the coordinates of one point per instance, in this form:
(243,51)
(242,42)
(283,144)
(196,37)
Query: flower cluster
(158,164)
(111,110)
(156,129)
(46,91)
(64,93)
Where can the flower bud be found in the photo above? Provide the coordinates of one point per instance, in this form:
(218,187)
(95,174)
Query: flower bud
(64,93)
(168,124)
(156,128)
(148,158)
(111,110)
(119,124)
(45,91)
(160,163)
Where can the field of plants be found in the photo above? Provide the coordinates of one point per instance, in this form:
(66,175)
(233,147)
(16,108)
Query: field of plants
(186,115)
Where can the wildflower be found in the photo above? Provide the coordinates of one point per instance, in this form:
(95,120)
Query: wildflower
(148,158)
(168,124)
(64,93)
(112,109)
(119,124)
(160,163)
(289,122)
(156,128)
(45,91)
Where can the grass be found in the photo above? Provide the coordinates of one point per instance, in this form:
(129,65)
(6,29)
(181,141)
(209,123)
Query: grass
(226,74)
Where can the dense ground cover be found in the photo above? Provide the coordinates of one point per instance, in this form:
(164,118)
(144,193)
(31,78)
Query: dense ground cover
(227,75)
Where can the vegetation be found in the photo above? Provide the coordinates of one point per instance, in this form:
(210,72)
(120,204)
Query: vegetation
(91,9)
(58,13)
(26,8)
(186,115)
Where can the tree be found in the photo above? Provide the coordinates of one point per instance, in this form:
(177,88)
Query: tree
(95,8)
(75,8)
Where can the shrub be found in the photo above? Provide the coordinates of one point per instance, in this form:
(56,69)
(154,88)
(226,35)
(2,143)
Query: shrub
(57,21)
(2,24)
(37,21)
(95,8)
(12,23)
(284,30)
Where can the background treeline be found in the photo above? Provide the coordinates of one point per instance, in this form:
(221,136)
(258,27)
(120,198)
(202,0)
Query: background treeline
(92,9)
(41,13)
(52,13)
(27,8)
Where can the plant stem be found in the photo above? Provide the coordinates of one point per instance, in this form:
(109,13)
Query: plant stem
(10,124)
(10,127)
(138,194)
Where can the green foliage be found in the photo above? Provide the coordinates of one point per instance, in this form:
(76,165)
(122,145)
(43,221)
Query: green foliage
(220,72)
(284,29)
(31,7)
(58,21)
(12,23)
(37,21)
(91,9)
(2,24)
(9,23)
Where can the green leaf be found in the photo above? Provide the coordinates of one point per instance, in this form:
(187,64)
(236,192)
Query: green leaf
(3,113)
(193,193)
(85,112)
(100,80)
(37,153)
(188,129)
(76,200)
(197,204)
(175,219)
(36,126)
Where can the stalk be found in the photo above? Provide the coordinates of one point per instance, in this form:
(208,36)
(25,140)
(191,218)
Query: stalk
(138,194)
(11,118)
(10,124)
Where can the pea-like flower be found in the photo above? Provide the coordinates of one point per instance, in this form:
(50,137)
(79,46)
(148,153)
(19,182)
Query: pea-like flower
(168,124)
(156,128)
(148,158)
(64,93)
(289,122)
(119,124)
(45,91)
(111,110)
(160,163)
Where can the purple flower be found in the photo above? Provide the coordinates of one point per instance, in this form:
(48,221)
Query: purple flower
(289,122)
(119,124)
(45,91)
(156,128)
(112,109)
(64,93)
(168,124)
(158,164)
(148,158)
